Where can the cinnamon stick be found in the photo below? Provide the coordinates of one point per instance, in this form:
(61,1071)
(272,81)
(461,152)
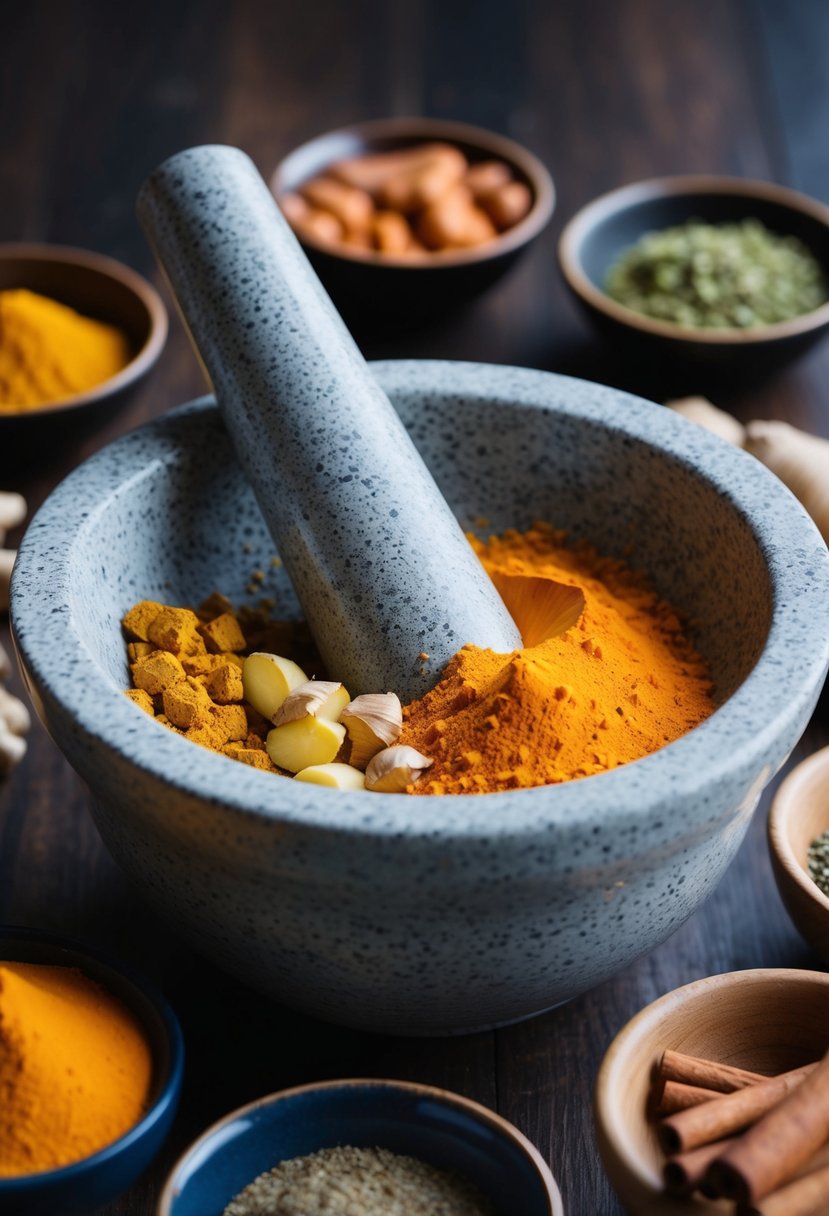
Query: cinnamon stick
(728,1113)
(808,1196)
(675,1096)
(708,1074)
(684,1172)
(771,1151)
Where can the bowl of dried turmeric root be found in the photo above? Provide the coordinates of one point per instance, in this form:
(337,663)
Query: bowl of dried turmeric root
(529,824)
(412,215)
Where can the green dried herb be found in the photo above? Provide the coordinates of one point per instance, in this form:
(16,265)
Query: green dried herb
(819,862)
(718,276)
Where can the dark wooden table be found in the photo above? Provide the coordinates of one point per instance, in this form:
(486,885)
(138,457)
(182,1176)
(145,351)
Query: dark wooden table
(92,97)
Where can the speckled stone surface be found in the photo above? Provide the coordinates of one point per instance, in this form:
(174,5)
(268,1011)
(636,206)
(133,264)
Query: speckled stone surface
(447,913)
(379,564)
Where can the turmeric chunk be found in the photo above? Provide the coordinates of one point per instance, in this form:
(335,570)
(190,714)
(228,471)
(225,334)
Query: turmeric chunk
(187,704)
(229,720)
(252,756)
(156,672)
(142,699)
(223,633)
(224,685)
(176,629)
(139,618)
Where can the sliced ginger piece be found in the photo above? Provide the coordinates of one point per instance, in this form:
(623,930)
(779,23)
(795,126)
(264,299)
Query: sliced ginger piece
(305,742)
(267,681)
(336,776)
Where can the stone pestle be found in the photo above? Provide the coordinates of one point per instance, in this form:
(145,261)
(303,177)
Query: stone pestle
(380,565)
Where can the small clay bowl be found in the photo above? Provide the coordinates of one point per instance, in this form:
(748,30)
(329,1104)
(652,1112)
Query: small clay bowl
(364,281)
(799,813)
(766,1020)
(438,1127)
(596,236)
(98,287)
(78,1189)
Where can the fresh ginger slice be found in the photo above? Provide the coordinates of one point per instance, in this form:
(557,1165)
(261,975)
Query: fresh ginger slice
(337,776)
(267,679)
(307,741)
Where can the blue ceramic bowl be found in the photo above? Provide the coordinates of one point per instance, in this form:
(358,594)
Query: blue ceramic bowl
(79,1189)
(598,234)
(440,1128)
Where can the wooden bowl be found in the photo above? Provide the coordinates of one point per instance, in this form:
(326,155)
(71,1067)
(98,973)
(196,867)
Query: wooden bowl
(596,236)
(766,1020)
(98,287)
(799,813)
(361,281)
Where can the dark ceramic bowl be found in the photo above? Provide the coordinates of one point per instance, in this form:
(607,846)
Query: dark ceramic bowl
(433,1125)
(597,235)
(79,1189)
(98,287)
(363,282)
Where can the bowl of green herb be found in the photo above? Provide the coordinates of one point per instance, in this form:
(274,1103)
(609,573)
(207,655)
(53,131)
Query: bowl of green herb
(724,273)
(799,846)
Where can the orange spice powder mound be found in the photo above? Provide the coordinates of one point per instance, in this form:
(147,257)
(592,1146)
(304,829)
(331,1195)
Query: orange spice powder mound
(620,684)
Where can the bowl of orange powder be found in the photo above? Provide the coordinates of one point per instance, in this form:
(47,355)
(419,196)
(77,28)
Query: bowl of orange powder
(91,1061)
(582,795)
(77,329)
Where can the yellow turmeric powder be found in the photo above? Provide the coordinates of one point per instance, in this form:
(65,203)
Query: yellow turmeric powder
(49,352)
(621,683)
(617,681)
(75,1068)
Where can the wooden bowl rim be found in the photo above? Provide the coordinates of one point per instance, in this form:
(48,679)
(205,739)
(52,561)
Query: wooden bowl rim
(783,808)
(491,142)
(577,228)
(606,1088)
(142,360)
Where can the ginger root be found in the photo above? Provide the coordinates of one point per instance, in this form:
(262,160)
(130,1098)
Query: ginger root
(14,716)
(798,458)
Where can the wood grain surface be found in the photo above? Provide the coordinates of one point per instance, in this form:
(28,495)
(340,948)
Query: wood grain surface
(92,97)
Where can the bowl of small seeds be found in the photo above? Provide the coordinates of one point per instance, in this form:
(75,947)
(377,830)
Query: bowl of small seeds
(799,845)
(380,1148)
(715,272)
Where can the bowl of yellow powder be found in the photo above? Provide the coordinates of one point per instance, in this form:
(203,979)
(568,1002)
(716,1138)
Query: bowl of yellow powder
(540,855)
(76,329)
(91,1061)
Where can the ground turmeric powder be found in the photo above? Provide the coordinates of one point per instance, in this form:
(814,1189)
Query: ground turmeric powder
(617,680)
(49,352)
(621,683)
(75,1068)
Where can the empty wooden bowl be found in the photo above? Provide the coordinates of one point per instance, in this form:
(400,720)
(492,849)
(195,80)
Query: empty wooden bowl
(767,1020)
(799,813)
